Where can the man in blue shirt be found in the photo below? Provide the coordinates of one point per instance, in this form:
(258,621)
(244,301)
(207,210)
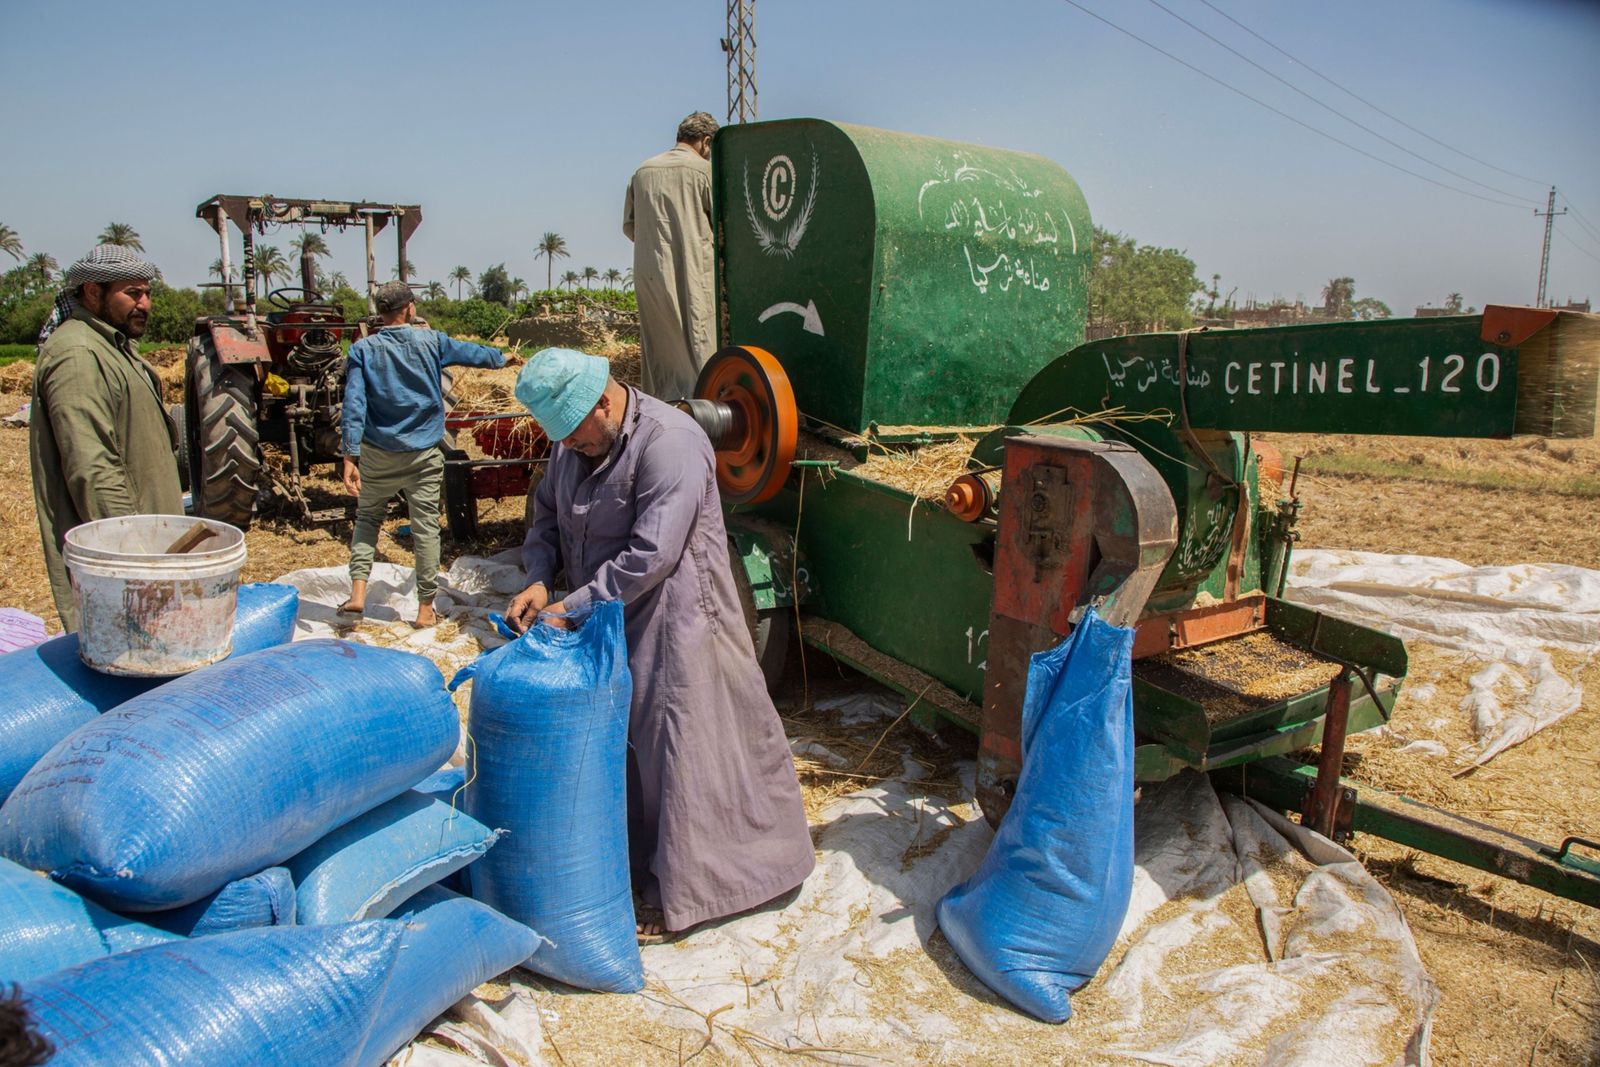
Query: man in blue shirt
(393,423)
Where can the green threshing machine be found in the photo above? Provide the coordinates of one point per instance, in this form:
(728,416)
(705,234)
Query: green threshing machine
(881,291)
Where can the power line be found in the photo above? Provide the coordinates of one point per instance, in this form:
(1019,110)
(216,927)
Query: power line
(1356,96)
(1291,118)
(1578,217)
(1335,111)
(1579,247)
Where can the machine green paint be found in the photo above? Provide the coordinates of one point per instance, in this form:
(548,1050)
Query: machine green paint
(901,282)
(899,279)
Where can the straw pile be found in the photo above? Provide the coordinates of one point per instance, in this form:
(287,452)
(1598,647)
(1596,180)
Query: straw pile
(924,472)
(1558,378)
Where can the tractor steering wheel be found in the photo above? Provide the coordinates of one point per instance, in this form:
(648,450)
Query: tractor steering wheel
(279,298)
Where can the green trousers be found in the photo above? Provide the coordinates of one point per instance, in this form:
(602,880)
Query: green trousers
(420,476)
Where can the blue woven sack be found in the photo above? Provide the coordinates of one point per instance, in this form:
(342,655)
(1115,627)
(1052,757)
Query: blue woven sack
(453,944)
(1045,906)
(264,899)
(280,996)
(376,861)
(45,927)
(46,691)
(346,994)
(228,770)
(549,722)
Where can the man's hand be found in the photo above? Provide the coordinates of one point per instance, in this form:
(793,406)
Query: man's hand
(526,605)
(352,476)
(553,616)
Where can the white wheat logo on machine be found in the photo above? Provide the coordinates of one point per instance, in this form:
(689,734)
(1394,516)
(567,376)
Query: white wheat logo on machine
(773,242)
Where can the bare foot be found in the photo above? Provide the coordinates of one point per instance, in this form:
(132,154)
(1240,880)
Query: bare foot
(358,599)
(425,616)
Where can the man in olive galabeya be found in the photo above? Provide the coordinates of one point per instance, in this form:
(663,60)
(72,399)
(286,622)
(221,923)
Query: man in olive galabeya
(100,442)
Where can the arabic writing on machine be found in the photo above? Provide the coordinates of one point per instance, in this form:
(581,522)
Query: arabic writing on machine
(989,206)
(1312,376)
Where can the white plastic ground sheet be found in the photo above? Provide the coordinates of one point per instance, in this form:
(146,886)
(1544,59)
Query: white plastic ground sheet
(1249,939)
(1505,622)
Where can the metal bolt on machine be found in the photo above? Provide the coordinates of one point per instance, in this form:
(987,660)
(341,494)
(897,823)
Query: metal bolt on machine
(882,291)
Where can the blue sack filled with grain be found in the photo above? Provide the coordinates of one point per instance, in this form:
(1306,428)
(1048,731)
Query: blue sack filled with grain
(227,771)
(549,722)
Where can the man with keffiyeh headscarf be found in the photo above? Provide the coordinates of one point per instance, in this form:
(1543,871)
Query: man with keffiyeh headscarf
(100,441)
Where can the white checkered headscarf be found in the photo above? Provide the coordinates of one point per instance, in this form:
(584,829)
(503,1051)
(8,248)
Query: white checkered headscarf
(104,264)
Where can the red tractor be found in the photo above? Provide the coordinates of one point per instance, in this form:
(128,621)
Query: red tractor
(255,377)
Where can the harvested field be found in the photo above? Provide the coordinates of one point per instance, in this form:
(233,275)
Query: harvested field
(1517,968)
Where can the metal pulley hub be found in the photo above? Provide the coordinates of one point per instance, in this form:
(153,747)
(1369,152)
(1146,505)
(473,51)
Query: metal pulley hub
(744,403)
(973,496)
(722,422)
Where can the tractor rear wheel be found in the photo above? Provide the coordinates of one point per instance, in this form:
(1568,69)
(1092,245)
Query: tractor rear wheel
(769,627)
(223,440)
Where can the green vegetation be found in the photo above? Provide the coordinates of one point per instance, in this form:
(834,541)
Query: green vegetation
(1137,288)
(120,233)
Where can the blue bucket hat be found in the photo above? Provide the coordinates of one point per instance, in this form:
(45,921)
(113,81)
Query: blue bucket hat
(559,387)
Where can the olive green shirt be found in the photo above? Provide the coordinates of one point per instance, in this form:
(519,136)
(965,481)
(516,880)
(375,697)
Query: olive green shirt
(100,441)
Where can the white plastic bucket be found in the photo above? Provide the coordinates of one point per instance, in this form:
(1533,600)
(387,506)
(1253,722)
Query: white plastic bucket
(144,612)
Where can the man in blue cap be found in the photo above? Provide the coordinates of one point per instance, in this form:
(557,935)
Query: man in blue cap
(629,511)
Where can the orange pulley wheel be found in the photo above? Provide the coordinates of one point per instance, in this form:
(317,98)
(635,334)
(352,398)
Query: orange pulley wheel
(744,403)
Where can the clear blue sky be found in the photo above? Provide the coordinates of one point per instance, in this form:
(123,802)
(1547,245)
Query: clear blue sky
(505,120)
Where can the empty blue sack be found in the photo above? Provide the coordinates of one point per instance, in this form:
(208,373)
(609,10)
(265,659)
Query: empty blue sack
(1045,906)
(46,691)
(549,722)
(263,899)
(45,927)
(228,770)
(376,861)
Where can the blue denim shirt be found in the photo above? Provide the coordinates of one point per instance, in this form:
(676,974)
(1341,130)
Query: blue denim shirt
(392,395)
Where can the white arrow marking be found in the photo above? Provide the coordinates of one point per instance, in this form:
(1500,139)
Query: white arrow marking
(812,323)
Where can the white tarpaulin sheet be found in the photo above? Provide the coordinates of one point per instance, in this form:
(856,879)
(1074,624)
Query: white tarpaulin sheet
(1248,939)
(1504,620)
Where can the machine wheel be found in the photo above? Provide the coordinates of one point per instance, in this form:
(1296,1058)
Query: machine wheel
(744,392)
(222,440)
(769,627)
(181,422)
(461,511)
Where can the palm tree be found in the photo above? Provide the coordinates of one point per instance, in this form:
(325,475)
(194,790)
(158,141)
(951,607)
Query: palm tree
(216,269)
(42,264)
(517,288)
(316,246)
(435,291)
(551,245)
(270,264)
(570,279)
(411,270)
(1336,297)
(627,279)
(589,275)
(337,280)
(461,276)
(612,278)
(120,233)
(10,242)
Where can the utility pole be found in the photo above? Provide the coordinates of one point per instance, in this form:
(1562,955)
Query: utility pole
(1549,214)
(740,47)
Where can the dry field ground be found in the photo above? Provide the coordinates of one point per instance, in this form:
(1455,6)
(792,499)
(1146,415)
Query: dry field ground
(1518,971)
